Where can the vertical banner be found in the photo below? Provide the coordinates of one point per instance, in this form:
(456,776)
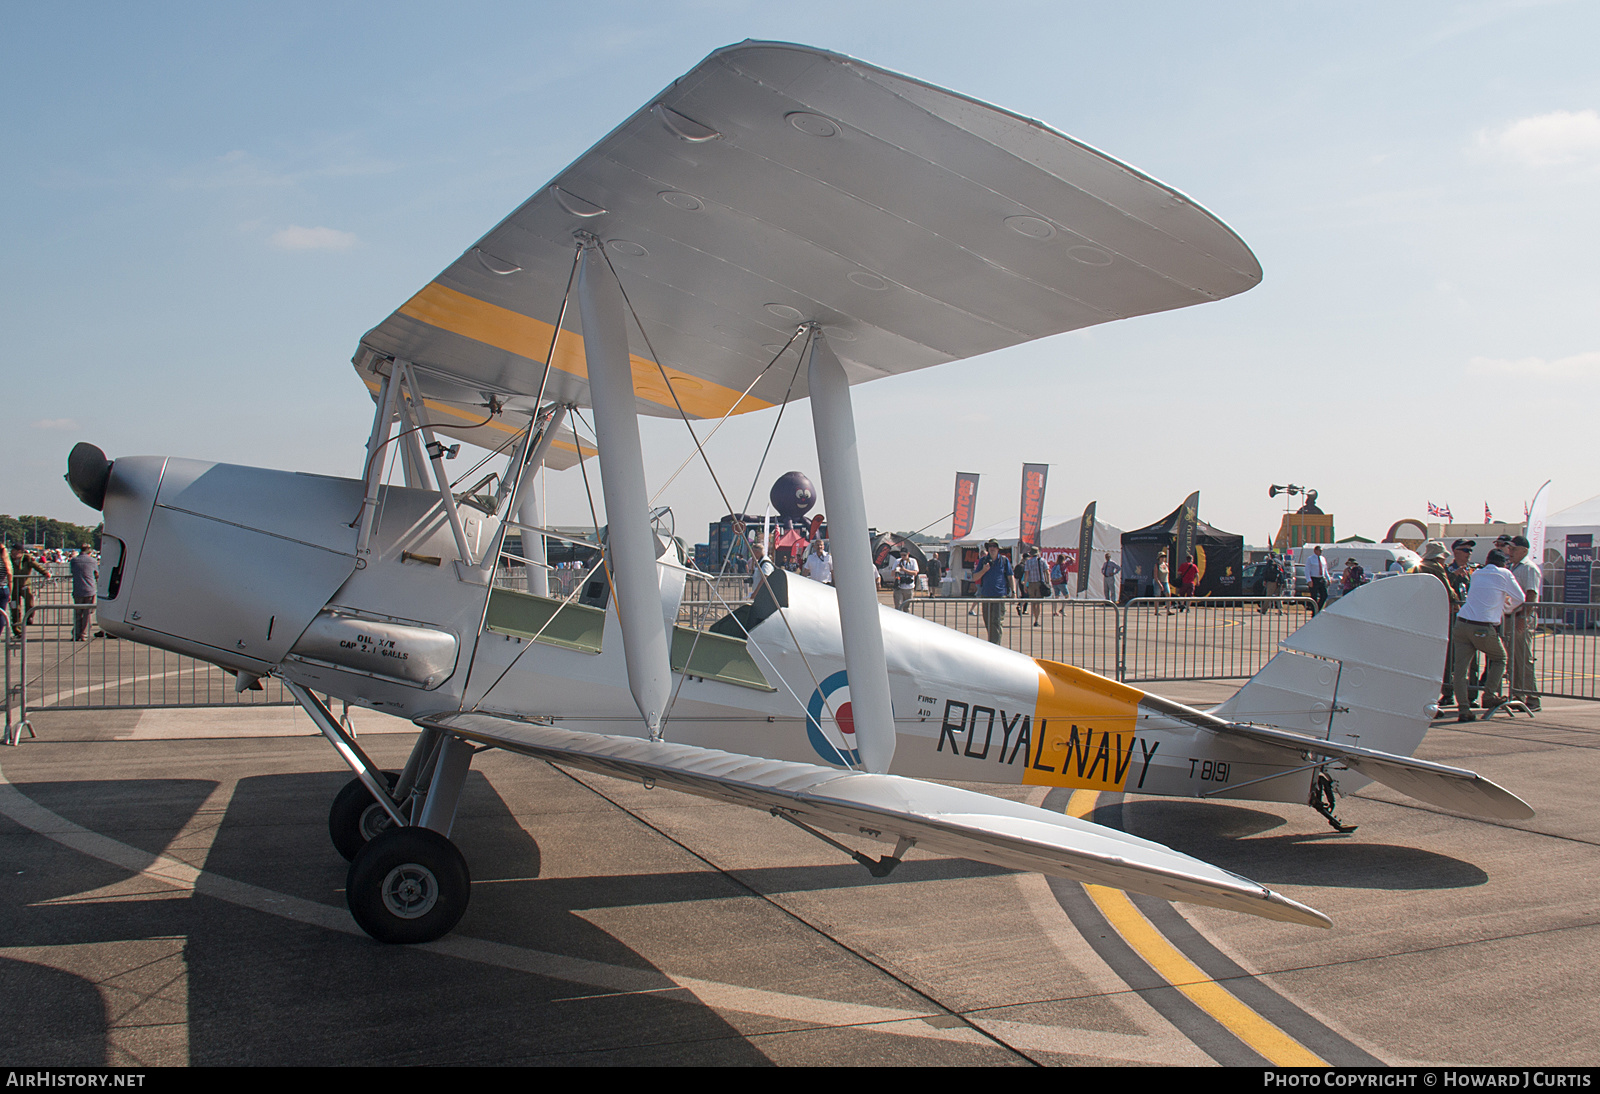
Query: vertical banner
(1086,550)
(1537,513)
(1033,476)
(1188,529)
(966,504)
(1579,570)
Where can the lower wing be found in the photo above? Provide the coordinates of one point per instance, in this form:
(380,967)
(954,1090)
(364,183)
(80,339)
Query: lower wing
(892,809)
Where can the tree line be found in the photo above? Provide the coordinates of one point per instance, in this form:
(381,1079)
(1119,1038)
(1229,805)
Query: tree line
(47,531)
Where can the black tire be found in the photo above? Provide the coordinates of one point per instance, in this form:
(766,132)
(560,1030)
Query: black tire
(408,885)
(356,817)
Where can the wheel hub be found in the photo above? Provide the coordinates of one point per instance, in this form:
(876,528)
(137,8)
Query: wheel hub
(410,891)
(373,821)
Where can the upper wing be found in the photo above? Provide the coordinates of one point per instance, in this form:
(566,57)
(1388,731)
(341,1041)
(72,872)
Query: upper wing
(778,183)
(888,808)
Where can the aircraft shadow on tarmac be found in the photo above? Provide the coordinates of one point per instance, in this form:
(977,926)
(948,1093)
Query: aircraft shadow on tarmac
(1234,838)
(263,989)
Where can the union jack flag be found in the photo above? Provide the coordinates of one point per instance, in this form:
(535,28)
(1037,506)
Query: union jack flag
(1524,510)
(1439,511)
(1488,517)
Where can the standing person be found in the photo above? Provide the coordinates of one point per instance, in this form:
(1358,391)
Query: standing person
(1188,579)
(1460,574)
(1163,578)
(5,586)
(23,566)
(760,565)
(993,579)
(1493,591)
(1109,569)
(1036,576)
(1354,576)
(85,577)
(904,575)
(1433,562)
(1271,580)
(1317,574)
(1058,579)
(1523,622)
(935,576)
(818,565)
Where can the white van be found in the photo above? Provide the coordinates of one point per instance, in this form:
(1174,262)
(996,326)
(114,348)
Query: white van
(1374,558)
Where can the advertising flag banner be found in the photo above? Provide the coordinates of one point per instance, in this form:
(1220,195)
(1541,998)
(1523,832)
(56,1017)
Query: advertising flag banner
(1033,476)
(966,504)
(1537,514)
(1579,571)
(1188,520)
(1086,548)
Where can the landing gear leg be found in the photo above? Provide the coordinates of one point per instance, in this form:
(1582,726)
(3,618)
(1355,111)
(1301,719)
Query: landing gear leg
(356,817)
(411,884)
(1322,801)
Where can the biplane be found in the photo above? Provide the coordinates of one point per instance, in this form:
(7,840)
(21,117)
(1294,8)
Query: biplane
(780,223)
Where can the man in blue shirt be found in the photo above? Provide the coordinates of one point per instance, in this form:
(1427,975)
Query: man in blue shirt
(993,578)
(85,576)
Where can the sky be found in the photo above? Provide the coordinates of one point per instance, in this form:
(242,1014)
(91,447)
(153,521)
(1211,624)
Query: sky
(204,206)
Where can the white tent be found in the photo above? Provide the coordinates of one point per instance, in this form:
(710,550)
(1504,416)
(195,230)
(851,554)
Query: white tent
(1053,532)
(1580,518)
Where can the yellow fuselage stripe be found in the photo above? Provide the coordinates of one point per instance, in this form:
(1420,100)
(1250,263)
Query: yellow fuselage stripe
(1150,944)
(458,313)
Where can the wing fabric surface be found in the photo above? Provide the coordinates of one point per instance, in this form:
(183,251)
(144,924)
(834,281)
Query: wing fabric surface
(775,184)
(886,808)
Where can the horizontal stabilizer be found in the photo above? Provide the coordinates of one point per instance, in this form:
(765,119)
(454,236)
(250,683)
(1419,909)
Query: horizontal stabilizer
(1437,784)
(889,808)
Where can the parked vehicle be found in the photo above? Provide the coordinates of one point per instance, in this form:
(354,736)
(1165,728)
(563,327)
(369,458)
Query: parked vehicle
(1373,558)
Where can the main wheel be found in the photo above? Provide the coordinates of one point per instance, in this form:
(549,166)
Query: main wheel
(355,816)
(408,885)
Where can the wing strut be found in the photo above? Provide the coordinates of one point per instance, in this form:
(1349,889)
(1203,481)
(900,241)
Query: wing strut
(381,419)
(530,506)
(839,462)
(630,549)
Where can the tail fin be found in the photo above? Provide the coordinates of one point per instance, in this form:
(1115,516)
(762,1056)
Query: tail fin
(1364,672)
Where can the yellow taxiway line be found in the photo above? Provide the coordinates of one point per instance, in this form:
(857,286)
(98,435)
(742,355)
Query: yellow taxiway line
(1172,966)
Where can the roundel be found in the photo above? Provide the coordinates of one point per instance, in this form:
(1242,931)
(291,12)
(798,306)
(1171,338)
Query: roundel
(830,725)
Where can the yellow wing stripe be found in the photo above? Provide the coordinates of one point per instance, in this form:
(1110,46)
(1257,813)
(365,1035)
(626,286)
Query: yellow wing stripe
(456,312)
(476,419)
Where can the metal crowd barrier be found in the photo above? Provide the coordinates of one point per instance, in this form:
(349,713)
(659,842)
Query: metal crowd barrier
(1147,639)
(1076,632)
(1202,638)
(47,670)
(1205,638)
(1566,650)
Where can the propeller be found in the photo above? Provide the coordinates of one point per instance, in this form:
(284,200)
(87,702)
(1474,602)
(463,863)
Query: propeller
(88,472)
